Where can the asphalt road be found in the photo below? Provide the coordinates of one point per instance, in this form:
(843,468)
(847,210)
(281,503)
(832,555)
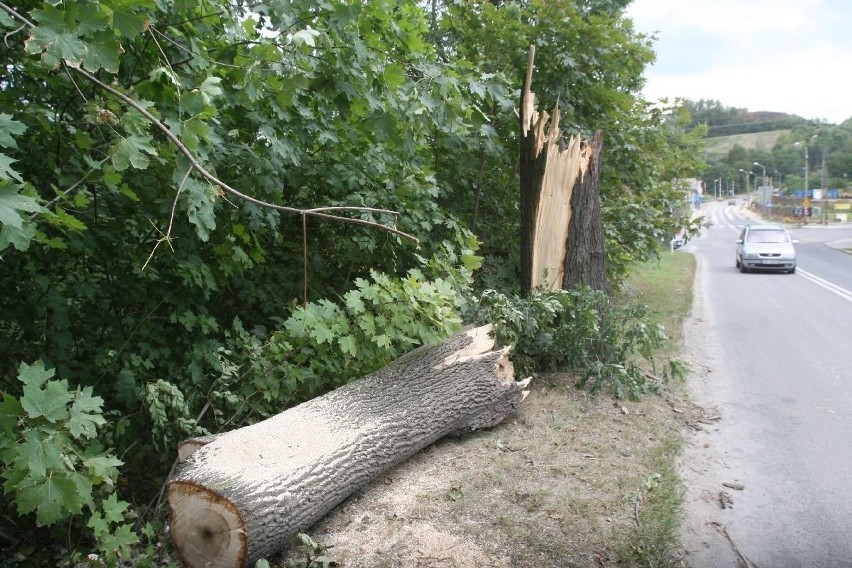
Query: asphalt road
(771,359)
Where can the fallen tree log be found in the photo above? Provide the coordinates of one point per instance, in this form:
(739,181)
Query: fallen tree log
(241,496)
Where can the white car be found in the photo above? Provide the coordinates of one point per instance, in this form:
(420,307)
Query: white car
(766,247)
(679,239)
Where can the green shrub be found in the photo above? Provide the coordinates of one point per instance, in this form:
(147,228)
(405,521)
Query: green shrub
(56,472)
(324,344)
(581,329)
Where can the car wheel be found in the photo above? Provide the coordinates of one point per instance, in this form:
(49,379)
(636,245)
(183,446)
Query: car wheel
(738,262)
(743,268)
(792,270)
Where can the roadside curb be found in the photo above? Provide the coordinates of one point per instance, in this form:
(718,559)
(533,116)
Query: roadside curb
(844,245)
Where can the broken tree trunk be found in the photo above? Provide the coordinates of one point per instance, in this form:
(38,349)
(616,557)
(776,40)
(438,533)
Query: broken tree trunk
(549,171)
(585,260)
(241,496)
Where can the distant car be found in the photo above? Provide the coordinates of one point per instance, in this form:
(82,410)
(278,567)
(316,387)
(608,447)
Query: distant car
(679,239)
(766,247)
(732,202)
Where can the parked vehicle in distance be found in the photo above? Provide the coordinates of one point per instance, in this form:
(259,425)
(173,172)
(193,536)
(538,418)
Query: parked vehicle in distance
(679,239)
(732,202)
(766,247)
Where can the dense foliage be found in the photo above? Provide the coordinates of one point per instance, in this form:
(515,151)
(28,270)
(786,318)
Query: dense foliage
(167,269)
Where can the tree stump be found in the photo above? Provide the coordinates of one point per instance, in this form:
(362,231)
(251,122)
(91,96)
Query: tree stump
(241,496)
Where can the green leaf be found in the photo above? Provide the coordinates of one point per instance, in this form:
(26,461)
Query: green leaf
(102,468)
(10,411)
(121,540)
(85,414)
(210,88)
(348,344)
(354,302)
(134,121)
(44,497)
(84,402)
(131,150)
(200,207)
(18,238)
(194,130)
(322,334)
(51,498)
(394,75)
(39,455)
(114,509)
(98,524)
(125,19)
(6,171)
(68,221)
(7,21)
(92,17)
(53,41)
(103,52)
(34,375)
(10,127)
(11,203)
(471,261)
(49,403)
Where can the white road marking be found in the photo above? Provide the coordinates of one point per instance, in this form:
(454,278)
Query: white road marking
(834,288)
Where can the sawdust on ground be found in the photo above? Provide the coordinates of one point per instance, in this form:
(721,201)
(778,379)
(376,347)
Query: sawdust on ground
(560,484)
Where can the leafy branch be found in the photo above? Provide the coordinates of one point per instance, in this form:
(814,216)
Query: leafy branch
(321,212)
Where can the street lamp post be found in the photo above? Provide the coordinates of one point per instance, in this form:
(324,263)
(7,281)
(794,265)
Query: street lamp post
(806,198)
(748,186)
(824,186)
(759,165)
(769,204)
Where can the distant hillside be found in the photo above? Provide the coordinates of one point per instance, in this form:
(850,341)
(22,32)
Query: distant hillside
(722,121)
(744,122)
(718,147)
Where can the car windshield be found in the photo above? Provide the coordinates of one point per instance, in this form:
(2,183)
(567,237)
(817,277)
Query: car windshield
(767,236)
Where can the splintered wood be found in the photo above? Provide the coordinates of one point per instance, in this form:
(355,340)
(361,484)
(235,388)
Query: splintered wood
(557,166)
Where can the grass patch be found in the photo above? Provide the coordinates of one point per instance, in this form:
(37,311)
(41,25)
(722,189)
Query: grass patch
(659,502)
(665,286)
(719,146)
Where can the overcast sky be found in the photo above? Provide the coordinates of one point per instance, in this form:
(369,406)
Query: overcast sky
(792,56)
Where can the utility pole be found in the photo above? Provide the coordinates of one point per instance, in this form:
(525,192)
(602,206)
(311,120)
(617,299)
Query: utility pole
(824,185)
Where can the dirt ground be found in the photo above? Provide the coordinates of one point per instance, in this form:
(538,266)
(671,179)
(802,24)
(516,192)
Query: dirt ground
(562,484)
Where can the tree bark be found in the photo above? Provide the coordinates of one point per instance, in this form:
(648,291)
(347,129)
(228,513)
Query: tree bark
(242,495)
(585,262)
